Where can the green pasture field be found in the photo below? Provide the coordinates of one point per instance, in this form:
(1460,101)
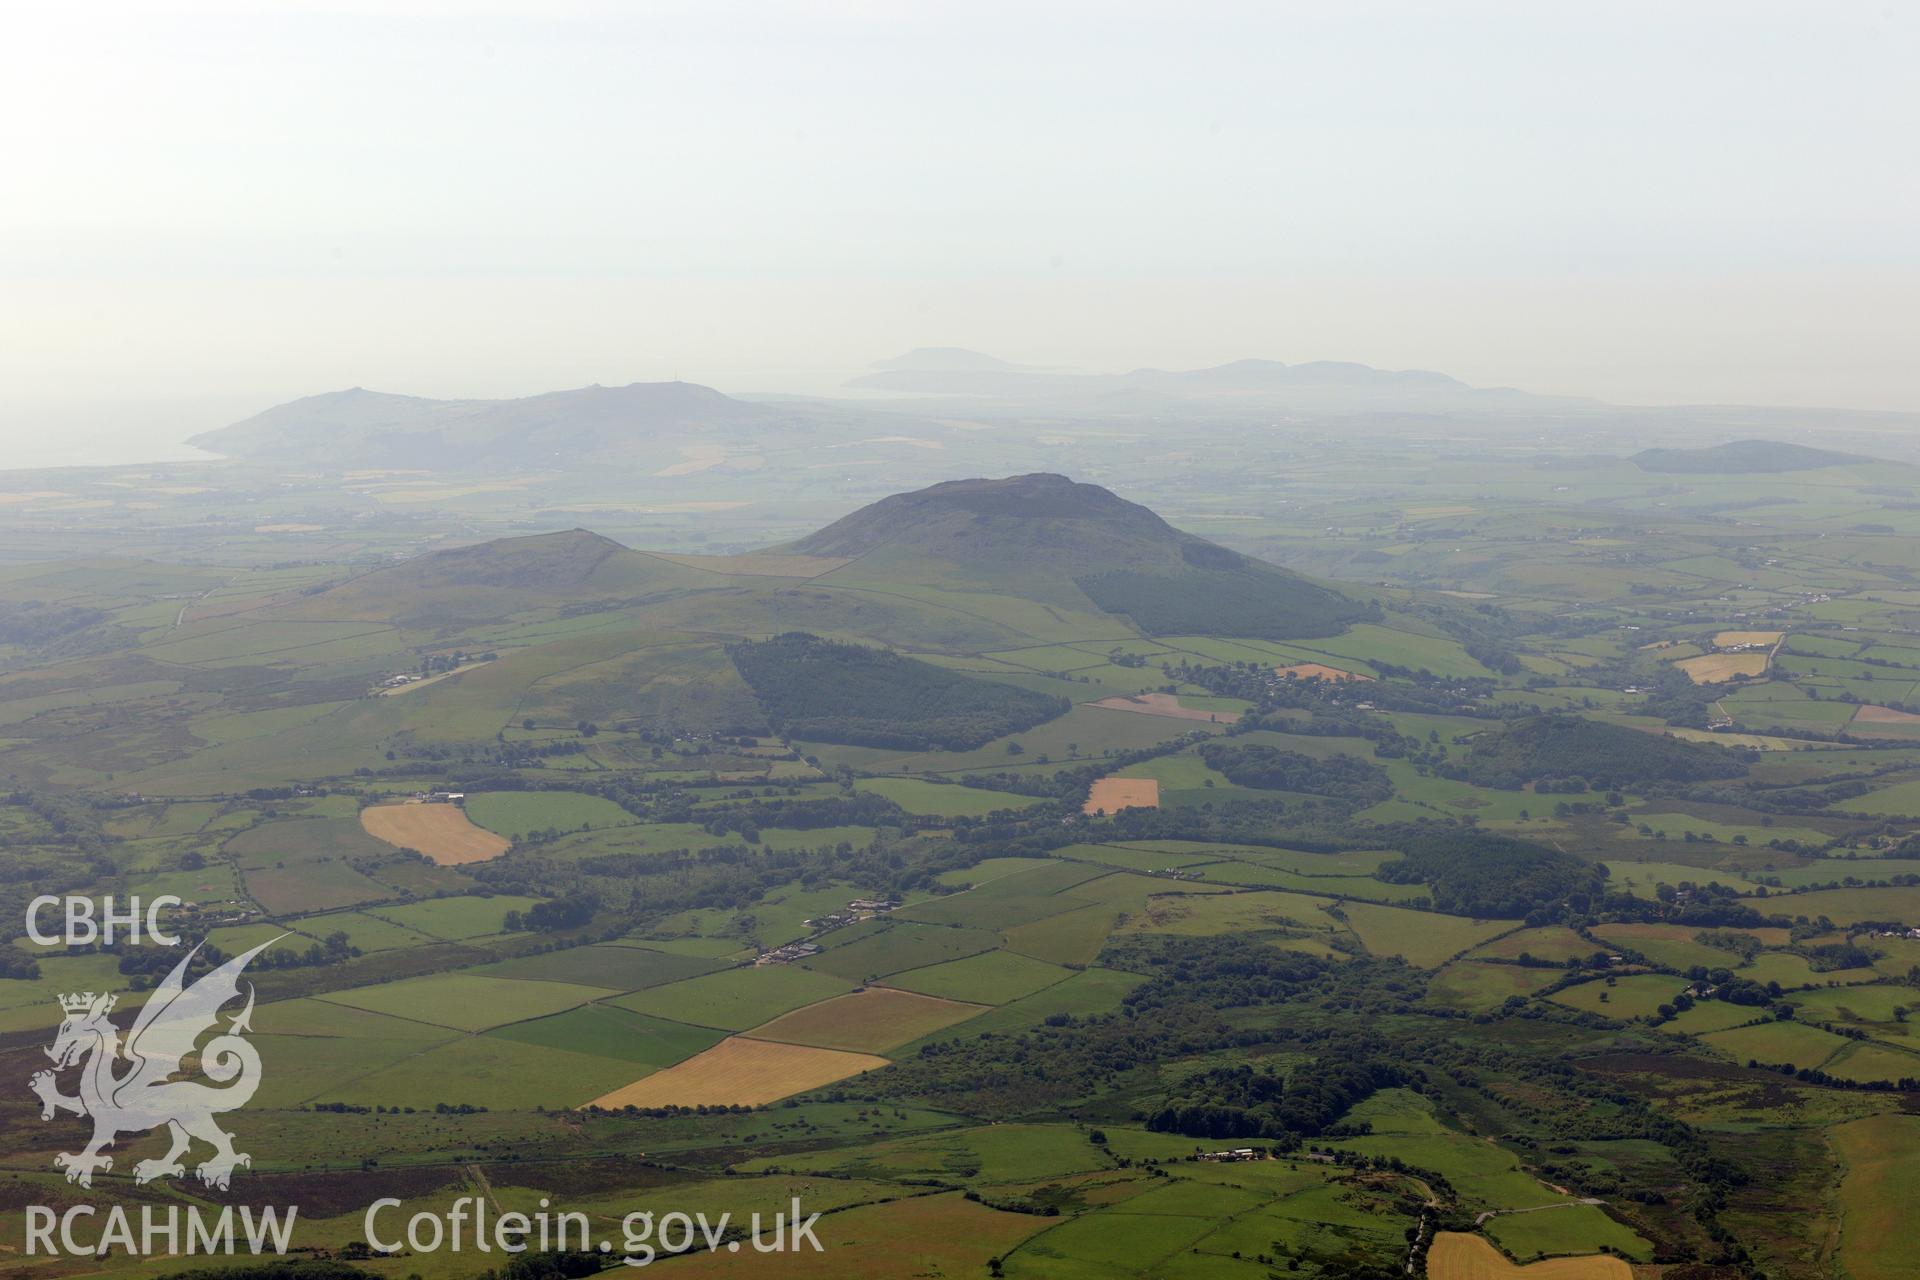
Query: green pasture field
(1713,1015)
(1637,995)
(1777,1042)
(1106,1243)
(308,1048)
(467,1001)
(789,839)
(1083,993)
(369,933)
(490,1071)
(296,840)
(1879,1159)
(779,917)
(1208,914)
(233,941)
(1372,642)
(1421,938)
(1422,795)
(1848,906)
(1792,971)
(1902,797)
(985,1155)
(1554,942)
(455,919)
(1009,900)
(1643,879)
(1839,870)
(1182,772)
(608,1031)
(1088,730)
(736,999)
(223,730)
(301,887)
(1677,825)
(1363,887)
(215,882)
(1484,1175)
(1873,1061)
(516,813)
(1576,1229)
(1472,984)
(691,945)
(988,869)
(920,797)
(1670,945)
(619,968)
(33,1003)
(991,977)
(1139,857)
(1350,863)
(644,838)
(900,946)
(1857,1004)
(1071,938)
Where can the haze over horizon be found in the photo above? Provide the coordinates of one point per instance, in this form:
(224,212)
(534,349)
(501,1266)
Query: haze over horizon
(221,208)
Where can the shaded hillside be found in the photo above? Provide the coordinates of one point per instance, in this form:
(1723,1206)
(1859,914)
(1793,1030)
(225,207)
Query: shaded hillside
(1560,748)
(1067,523)
(491,580)
(1743,457)
(815,689)
(1049,538)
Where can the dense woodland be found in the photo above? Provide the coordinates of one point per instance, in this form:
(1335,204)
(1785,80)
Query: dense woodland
(819,690)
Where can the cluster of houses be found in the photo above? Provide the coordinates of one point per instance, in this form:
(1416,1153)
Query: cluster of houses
(1895,933)
(788,954)
(437,797)
(853,913)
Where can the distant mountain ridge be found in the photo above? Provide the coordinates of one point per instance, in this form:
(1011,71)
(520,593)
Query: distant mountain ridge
(1744,457)
(1317,386)
(374,428)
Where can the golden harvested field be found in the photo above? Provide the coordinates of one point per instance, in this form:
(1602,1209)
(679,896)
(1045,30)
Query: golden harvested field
(1714,668)
(1458,1256)
(441,831)
(1316,671)
(870,1021)
(1884,715)
(1164,704)
(738,1070)
(1728,639)
(937,1235)
(1111,795)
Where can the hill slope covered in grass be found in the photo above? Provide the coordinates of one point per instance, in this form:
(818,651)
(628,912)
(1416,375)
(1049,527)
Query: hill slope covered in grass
(846,693)
(1048,538)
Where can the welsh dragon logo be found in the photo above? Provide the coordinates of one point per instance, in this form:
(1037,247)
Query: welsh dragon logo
(129,1087)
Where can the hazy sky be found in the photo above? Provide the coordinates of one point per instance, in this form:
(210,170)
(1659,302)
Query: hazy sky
(207,210)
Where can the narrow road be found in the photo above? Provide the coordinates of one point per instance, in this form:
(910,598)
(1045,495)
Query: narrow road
(1539,1208)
